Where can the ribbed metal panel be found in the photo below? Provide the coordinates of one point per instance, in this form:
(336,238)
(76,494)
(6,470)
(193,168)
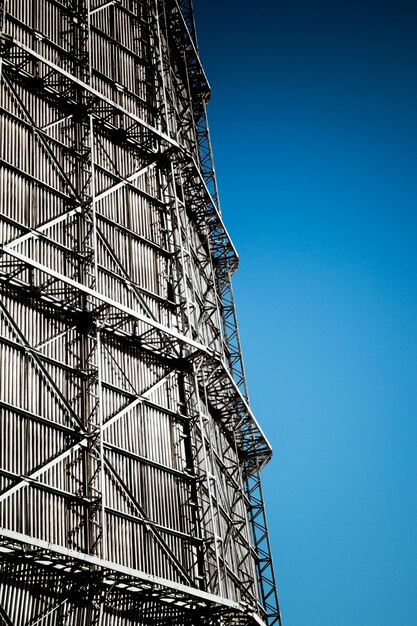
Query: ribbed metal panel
(127,446)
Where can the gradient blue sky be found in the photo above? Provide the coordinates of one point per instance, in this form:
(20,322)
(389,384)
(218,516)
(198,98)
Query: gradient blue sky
(314,129)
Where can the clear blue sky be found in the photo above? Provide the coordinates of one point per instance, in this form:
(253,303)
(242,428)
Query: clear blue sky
(314,126)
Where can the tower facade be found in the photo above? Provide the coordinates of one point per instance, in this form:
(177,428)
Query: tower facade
(129,456)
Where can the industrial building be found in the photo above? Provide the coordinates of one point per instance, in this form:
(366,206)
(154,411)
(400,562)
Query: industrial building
(130,459)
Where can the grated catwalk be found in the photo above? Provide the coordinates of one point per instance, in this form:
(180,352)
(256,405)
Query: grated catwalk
(130,460)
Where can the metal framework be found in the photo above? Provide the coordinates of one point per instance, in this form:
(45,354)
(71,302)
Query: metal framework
(129,457)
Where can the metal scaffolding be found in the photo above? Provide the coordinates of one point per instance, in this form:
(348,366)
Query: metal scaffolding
(129,456)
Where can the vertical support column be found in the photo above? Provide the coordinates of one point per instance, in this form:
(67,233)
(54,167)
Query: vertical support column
(189,450)
(3,8)
(3,4)
(260,536)
(237,555)
(214,578)
(181,255)
(188,14)
(177,242)
(230,327)
(206,155)
(160,54)
(88,470)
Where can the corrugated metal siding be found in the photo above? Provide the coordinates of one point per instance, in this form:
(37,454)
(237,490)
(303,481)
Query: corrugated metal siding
(155,486)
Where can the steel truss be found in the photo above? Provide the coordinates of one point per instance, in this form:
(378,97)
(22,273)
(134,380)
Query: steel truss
(130,459)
